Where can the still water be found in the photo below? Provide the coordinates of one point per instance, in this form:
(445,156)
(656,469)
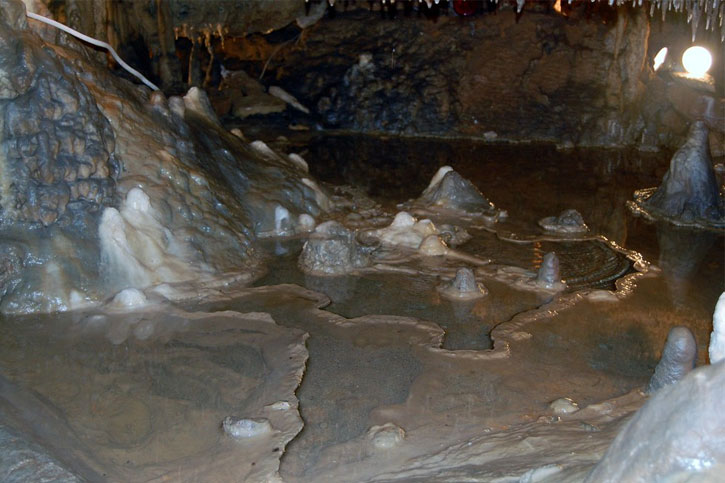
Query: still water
(141,397)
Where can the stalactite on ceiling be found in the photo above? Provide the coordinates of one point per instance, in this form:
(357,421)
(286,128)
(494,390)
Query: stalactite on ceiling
(713,10)
(203,36)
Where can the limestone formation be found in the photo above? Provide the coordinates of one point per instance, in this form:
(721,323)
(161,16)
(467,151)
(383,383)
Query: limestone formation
(689,191)
(57,147)
(331,250)
(75,140)
(241,428)
(717,337)
(568,222)
(464,286)
(385,437)
(676,435)
(563,406)
(405,231)
(548,274)
(450,190)
(678,359)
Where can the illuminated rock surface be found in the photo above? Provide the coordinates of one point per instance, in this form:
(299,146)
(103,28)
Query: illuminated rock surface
(168,368)
(76,141)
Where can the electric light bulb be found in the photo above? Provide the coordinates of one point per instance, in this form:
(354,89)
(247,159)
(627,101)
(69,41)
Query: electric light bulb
(660,58)
(697,60)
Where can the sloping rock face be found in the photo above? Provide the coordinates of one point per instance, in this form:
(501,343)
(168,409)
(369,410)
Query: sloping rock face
(75,140)
(679,433)
(57,146)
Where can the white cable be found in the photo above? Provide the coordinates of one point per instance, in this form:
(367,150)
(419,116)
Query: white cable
(95,42)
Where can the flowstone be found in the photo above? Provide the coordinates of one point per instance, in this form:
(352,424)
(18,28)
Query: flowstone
(717,337)
(76,140)
(678,434)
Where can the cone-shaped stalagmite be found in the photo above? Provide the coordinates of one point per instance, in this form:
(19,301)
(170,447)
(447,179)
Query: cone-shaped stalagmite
(548,275)
(678,358)
(689,189)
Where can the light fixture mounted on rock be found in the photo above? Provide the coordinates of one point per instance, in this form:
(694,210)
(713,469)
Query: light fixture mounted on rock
(697,61)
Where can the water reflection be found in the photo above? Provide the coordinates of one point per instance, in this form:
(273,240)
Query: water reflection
(682,253)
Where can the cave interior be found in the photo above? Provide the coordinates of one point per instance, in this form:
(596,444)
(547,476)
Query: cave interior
(412,240)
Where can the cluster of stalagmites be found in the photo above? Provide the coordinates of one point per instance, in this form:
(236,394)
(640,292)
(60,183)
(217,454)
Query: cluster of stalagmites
(332,249)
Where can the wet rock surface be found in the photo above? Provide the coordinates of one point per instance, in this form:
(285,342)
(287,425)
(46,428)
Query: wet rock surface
(153,410)
(57,146)
(679,432)
(75,140)
(22,460)
(332,250)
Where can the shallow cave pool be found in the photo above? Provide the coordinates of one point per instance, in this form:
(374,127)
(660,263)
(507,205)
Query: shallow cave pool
(374,375)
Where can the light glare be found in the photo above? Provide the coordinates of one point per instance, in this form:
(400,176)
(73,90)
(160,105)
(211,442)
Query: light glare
(660,58)
(697,60)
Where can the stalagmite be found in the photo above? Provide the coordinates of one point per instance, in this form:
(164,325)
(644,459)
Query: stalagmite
(568,222)
(678,359)
(689,190)
(548,274)
(464,286)
(331,250)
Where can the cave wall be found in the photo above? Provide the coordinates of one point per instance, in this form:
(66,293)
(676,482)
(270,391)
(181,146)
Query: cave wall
(579,76)
(540,76)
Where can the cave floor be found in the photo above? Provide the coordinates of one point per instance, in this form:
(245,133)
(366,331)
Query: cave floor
(397,382)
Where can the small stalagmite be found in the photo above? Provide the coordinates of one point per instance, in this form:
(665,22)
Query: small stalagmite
(678,359)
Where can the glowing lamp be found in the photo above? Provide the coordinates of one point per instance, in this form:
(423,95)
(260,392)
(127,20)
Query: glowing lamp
(660,58)
(697,61)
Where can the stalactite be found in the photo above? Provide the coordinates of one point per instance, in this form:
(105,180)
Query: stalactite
(712,9)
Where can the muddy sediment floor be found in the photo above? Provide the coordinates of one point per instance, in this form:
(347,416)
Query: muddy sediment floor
(399,382)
